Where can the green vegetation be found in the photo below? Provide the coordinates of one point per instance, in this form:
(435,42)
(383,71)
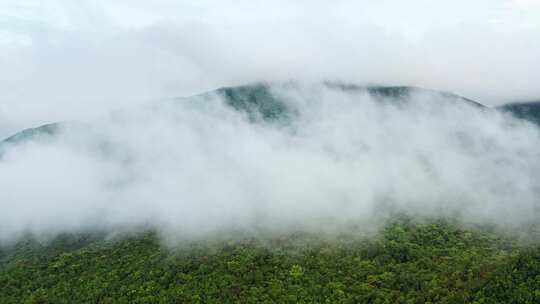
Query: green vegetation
(257,101)
(32,134)
(407,262)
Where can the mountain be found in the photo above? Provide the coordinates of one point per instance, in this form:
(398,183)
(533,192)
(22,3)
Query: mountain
(258,100)
(425,261)
(529,110)
(398,93)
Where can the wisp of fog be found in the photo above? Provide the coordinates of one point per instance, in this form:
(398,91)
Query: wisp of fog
(196,167)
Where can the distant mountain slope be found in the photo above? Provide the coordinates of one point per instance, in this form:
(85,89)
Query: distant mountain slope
(41,132)
(44,130)
(396,93)
(258,100)
(255,99)
(525,110)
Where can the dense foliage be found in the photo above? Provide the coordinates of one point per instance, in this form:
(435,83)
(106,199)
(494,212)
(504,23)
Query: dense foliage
(406,263)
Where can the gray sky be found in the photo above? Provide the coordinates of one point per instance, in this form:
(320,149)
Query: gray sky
(62,59)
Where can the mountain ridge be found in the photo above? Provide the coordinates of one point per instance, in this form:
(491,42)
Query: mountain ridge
(258,101)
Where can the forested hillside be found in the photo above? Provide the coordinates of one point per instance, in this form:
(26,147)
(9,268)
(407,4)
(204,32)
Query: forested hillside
(408,262)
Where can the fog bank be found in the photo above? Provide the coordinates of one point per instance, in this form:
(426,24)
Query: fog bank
(195,167)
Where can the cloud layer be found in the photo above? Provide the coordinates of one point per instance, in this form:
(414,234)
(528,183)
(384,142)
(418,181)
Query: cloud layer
(191,168)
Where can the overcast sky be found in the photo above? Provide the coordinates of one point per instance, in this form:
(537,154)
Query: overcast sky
(63,59)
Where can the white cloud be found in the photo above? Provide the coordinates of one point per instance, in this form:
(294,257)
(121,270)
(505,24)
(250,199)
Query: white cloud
(197,168)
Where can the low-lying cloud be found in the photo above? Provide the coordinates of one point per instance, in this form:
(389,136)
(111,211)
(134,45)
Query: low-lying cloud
(196,167)
(64,60)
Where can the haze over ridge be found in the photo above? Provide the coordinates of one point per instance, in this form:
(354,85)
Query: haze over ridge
(196,167)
